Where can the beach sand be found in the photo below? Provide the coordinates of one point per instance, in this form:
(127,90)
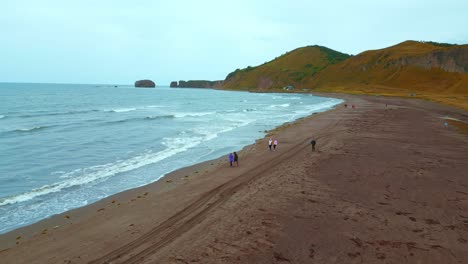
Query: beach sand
(386,184)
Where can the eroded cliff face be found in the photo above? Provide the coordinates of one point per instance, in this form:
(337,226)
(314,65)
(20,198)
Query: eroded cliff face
(412,66)
(449,60)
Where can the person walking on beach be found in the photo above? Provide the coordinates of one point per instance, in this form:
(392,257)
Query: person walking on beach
(270,141)
(231,159)
(275,143)
(312,143)
(236,159)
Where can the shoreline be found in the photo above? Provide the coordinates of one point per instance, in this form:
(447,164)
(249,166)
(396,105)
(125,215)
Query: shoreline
(161,176)
(114,221)
(43,223)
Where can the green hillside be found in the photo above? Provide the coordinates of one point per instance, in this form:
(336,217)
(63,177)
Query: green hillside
(289,69)
(428,70)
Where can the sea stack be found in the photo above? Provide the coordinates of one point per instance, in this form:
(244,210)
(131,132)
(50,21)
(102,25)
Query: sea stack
(173,84)
(145,84)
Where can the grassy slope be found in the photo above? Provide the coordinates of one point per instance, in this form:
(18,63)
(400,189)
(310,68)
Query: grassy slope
(378,72)
(288,69)
(390,71)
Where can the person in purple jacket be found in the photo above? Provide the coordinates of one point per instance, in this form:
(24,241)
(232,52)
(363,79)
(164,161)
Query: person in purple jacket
(231,159)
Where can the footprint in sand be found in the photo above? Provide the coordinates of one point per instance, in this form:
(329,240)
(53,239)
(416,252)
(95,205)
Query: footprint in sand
(380,255)
(433,222)
(312,251)
(278,256)
(354,255)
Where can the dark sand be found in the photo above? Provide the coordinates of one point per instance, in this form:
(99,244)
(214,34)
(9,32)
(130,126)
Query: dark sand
(386,185)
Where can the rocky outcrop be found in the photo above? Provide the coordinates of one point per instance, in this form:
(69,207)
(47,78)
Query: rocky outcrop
(173,84)
(145,84)
(197,84)
(449,60)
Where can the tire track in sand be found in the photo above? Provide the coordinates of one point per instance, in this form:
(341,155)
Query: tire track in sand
(155,239)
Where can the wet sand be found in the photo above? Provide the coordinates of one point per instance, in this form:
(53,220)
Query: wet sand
(386,184)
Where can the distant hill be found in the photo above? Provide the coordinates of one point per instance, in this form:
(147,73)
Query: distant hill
(430,70)
(289,69)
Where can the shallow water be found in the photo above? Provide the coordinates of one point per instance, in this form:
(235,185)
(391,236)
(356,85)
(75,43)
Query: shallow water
(65,146)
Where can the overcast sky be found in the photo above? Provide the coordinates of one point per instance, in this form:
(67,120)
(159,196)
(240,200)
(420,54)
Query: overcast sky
(118,42)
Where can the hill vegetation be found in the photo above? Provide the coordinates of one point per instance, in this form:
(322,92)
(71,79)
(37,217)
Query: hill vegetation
(429,70)
(289,69)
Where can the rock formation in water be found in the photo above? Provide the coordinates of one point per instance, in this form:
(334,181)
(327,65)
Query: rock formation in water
(197,84)
(145,84)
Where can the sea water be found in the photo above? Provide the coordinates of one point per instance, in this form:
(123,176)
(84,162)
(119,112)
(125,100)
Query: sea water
(65,146)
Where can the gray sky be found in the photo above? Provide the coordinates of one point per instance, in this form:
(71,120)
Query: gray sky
(118,42)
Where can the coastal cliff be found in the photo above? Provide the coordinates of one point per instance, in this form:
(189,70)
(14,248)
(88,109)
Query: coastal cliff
(428,70)
(409,67)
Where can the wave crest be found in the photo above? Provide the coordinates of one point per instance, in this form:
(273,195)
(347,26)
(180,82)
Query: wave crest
(96,173)
(31,129)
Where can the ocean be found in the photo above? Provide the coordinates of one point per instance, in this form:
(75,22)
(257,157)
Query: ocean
(64,146)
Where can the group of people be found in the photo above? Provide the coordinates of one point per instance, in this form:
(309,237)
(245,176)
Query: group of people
(272,143)
(233,158)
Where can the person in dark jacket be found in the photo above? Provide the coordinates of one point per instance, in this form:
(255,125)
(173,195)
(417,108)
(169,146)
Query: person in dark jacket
(236,159)
(312,143)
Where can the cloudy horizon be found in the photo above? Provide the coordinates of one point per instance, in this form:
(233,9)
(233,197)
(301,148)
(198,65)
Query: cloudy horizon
(118,42)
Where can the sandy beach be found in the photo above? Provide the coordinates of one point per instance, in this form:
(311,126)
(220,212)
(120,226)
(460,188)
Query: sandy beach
(387,184)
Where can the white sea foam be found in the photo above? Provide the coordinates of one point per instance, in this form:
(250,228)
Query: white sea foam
(193,114)
(47,113)
(140,119)
(323,106)
(2,116)
(280,105)
(215,131)
(30,129)
(101,172)
(154,106)
(122,110)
